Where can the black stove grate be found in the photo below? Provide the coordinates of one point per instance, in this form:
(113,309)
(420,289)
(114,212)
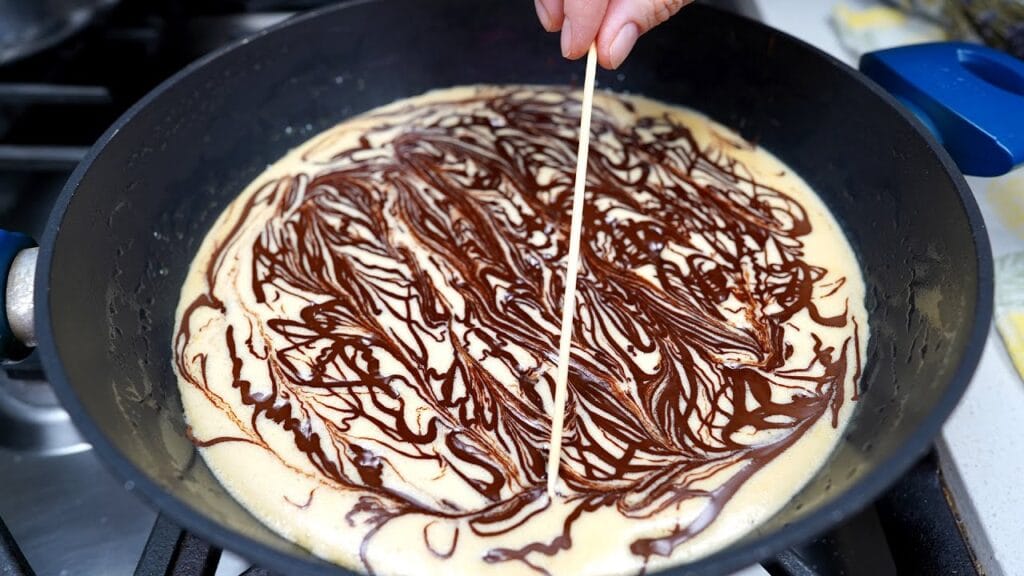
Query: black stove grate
(12,561)
(171,551)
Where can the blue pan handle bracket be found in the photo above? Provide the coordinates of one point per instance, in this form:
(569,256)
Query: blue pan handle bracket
(17,269)
(971,97)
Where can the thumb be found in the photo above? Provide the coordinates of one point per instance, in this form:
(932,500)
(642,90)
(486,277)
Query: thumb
(627,20)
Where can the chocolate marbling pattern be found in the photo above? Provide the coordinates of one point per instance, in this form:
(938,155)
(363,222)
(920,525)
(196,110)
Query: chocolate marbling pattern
(421,258)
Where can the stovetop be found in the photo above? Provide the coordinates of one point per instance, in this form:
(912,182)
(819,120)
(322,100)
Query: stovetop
(67,515)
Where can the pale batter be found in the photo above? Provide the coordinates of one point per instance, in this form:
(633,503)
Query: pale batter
(366,337)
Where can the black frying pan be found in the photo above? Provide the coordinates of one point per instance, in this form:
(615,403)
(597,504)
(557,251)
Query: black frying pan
(125,229)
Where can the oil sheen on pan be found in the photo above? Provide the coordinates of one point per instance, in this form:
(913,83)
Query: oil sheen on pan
(366,340)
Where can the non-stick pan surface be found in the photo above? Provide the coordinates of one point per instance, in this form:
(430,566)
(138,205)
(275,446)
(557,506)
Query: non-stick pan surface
(132,215)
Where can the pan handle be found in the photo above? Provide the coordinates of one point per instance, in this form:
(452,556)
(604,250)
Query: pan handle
(970,96)
(17,275)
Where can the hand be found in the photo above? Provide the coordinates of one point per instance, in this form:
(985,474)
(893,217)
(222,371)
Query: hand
(614,24)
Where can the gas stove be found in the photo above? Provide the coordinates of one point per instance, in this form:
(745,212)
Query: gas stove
(62,513)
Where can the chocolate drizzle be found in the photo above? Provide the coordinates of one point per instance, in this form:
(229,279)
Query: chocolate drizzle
(401,300)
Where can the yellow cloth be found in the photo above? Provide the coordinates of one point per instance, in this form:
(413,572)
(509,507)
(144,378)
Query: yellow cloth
(1010,306)
(866,27)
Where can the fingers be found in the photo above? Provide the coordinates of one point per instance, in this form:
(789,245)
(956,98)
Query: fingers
(582,21)
(550,14)
(627,20)
(614,24)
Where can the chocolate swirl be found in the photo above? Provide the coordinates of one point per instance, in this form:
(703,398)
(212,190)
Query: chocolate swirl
(391,309)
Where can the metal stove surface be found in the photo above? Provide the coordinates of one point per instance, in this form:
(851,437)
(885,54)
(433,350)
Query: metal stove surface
(70,516)
(66,512)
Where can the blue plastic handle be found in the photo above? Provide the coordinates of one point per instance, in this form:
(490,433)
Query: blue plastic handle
(970,96)
(11,243)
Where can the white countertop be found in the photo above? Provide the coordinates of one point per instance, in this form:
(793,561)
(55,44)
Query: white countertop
(981,452)
(983,473)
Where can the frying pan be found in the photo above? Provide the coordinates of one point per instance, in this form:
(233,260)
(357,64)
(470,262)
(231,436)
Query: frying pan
(123,233)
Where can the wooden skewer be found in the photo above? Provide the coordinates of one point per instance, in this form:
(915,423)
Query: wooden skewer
(572,268)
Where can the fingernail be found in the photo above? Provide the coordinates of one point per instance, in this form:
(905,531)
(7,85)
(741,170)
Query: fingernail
(566,37)
(543,15)
(623,44)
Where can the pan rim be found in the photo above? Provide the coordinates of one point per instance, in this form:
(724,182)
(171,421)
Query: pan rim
(745,552)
